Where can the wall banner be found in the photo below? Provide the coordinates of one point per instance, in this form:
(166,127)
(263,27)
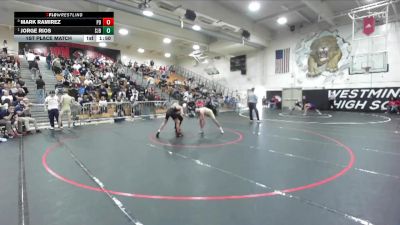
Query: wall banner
(364,99)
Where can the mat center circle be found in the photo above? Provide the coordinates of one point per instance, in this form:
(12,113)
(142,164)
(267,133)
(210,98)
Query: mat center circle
(343,171)
(175,142)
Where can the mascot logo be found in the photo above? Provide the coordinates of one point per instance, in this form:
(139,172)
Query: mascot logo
(323,54)
(324,51)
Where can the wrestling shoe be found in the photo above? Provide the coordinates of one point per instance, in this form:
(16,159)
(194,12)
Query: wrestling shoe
(222,130)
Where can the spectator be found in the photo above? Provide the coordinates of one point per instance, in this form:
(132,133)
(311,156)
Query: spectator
(30,57)
(272,103)
(264,101)
(135,95)
(129,92)
(24,115)
(103,92)
(56,66)
(48,60)
(103,105)
(8,119)
(77,66)
(393,106)
(20,95)
(121,94)
(109,75)
(6,96)
(20,82)
(59,87)
(5,47)
(51,104)
(88,83)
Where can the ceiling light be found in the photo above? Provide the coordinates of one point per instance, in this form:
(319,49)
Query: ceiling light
(167,55)
(148,12)
(281,20)
(167,40)
(103,44)
(254,6)
(140,50)
(196,47)
(196,27)
(123,31)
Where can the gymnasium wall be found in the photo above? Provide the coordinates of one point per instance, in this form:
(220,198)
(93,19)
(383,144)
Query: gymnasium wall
(254,75)
(261,64)
(341,79)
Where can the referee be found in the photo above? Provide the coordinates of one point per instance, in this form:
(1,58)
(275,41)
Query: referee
(252,103)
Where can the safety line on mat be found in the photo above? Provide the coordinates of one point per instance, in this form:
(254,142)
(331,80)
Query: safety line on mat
(259,184)
(327,162)
(379,151)
(132,219)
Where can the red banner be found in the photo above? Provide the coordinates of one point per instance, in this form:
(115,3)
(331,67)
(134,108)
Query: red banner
(369,25)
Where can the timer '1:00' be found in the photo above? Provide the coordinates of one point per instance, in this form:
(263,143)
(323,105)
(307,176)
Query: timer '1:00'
(105,38)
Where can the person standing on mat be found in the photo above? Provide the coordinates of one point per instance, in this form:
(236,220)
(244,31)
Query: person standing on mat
(175,112)
(51,104)
(331,100)
(66,101)
(252,103)
(202,113)
(310,106)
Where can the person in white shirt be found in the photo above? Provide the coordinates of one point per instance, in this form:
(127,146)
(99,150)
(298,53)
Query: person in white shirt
(76,66)
(252,103)
(108,75)
(6,95)
(103,105)
(135,95)
(66,101)
(30,57)
(88,82)
(51,104)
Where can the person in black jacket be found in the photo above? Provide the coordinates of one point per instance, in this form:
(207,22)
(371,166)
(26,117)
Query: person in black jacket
(40,90)
(48,60)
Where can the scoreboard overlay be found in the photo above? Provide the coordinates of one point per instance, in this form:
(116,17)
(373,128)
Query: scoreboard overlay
(64,26)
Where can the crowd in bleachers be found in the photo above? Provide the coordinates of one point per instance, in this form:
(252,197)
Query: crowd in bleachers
(100,80)
(96,82)
(14,105)
(90,79)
